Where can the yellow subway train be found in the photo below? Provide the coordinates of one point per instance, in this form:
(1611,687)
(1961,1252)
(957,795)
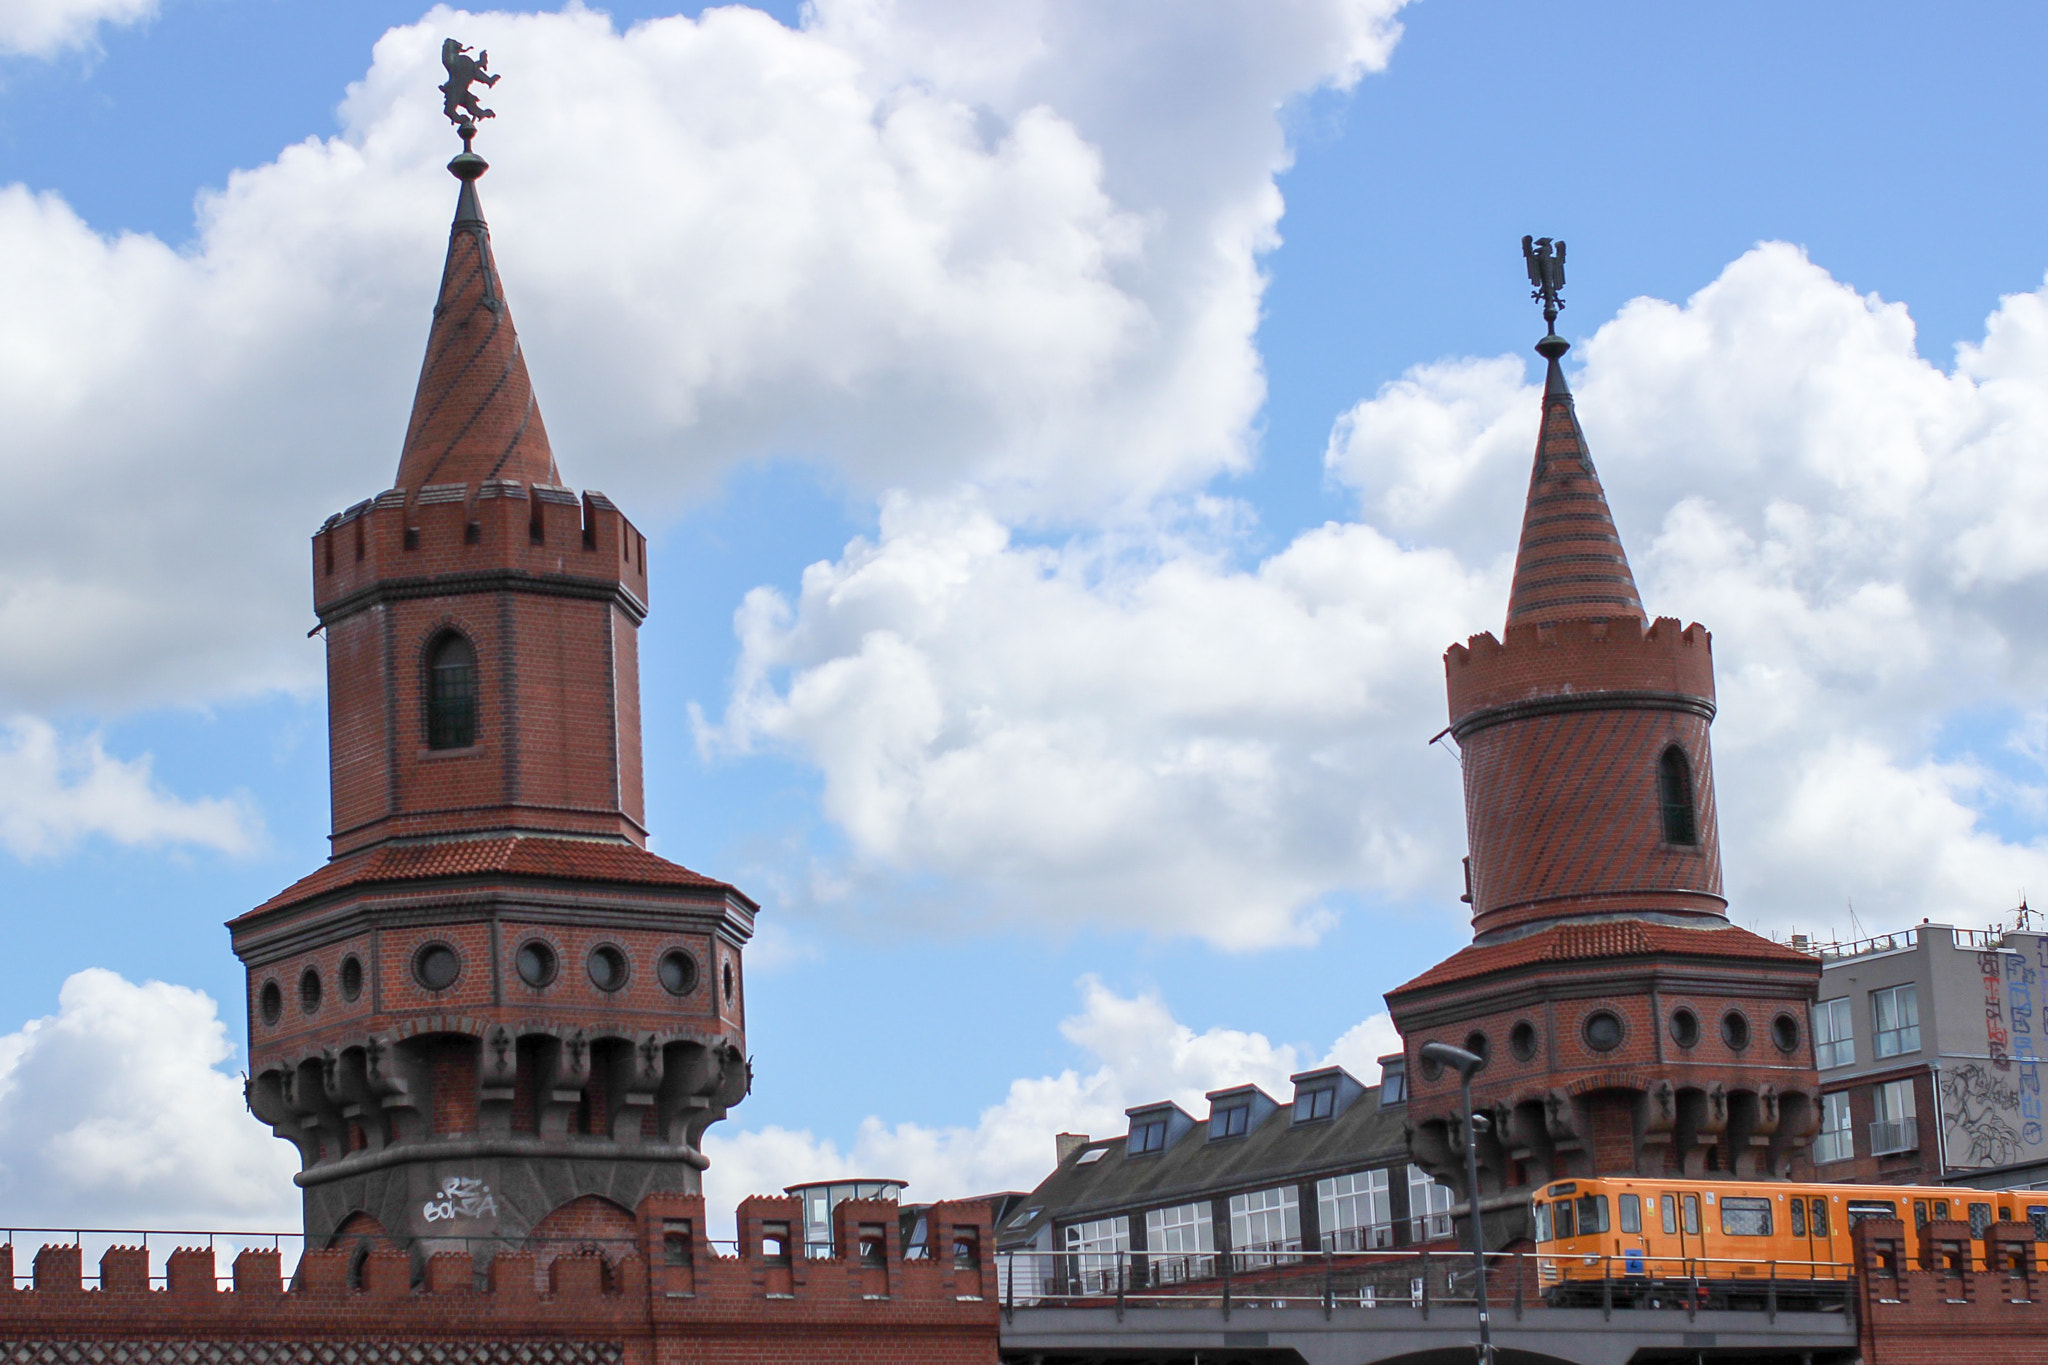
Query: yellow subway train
(1731,1242)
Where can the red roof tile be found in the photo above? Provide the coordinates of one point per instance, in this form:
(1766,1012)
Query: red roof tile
(1604,939)
(512,855)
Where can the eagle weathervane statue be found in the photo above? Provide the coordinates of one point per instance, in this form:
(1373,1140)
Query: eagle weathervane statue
(1546,271)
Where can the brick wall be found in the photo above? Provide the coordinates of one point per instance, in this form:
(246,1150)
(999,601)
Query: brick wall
(1923,1301)
(669,1298)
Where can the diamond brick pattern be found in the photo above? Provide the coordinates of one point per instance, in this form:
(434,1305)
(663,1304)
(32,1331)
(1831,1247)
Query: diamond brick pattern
(347,1352)
(1570,563)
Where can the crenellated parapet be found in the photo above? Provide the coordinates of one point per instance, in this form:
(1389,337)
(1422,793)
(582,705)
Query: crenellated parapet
(655,1284)
(1570,663)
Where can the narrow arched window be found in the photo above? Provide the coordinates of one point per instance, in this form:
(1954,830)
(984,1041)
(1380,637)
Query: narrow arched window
(1674,786)
(451,693)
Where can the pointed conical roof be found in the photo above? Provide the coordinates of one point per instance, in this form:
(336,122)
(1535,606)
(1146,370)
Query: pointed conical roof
(474,416)
(1570,565)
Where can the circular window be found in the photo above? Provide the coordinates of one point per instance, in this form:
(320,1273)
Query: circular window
(436,966)
(309,992)
(1475,1043)
(1603,1031)
(1785,1032)
(1734,1031)
(1431,1067)
(1685,1027)
(1522,1041)
(535,962)
(678,972)
(351,977)
(270,1000)
(728,983)
(607,967)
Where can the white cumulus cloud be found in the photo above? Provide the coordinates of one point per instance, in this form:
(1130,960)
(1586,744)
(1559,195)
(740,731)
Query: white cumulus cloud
(54,793)
(1138,1053)
(43,28)
(114,1112)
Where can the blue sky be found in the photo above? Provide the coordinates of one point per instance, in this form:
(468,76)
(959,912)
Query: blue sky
(1092,741)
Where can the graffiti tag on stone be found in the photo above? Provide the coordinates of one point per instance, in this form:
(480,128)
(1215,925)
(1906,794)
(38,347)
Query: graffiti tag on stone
(461,1196)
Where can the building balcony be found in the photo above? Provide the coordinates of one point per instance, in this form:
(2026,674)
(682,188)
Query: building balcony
(1891,1136)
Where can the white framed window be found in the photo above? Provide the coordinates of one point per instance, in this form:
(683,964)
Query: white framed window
(1429,1207)
(1837,1140)
(1834,1034)
(1097,1254)
(1896,1012)
(1180,1243)
(1265,1225)
(1356,1211)
(1896,1127)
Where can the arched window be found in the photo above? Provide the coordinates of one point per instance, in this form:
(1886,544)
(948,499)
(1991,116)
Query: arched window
(451,693)
(1674,786)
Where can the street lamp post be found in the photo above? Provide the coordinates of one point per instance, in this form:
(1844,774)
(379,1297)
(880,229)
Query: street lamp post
(1443,1054)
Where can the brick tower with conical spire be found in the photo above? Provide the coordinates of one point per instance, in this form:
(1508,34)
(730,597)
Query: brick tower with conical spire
(493,1013)
(1627,1026)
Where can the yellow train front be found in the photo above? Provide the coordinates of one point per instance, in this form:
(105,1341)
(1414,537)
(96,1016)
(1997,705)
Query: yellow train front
(1731,1243)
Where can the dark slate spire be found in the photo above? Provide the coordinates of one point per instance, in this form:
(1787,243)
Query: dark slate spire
(474,416)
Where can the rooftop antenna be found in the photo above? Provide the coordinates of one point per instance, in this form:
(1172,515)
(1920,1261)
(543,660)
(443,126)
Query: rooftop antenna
(1545,259)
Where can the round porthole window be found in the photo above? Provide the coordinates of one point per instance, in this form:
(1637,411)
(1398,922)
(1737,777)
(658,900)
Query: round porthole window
(1734,1031)
(1785,1032)
(1603,1031)
(535,962)
(270,1002)
(351,977)
(436,966)
(678,972)
(1522,1041)
(1685,1027)
(728,983)
(607,967)
(309,992)
(1475,1043)
(1431,1067)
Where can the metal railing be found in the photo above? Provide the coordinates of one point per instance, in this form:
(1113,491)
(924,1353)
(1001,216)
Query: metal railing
(1894,1135)
(1330,1280)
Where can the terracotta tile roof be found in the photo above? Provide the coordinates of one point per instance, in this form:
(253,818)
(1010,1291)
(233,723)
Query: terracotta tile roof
(512,855)
(1605,939)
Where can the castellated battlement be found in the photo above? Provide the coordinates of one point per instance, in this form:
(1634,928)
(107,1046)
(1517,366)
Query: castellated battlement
(537,530)
(1582,656)
(652,1284)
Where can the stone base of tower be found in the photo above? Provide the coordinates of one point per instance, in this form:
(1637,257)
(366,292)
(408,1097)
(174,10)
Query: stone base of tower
(1615,1048)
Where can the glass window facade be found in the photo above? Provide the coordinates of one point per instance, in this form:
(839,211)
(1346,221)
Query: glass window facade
(1837,1140)
(1896,1014)
(1099,1252)
(1429,1207)
(1834,1034)
(1896,1128)
(1265,1226)
(1356,1211)
(1180,1243)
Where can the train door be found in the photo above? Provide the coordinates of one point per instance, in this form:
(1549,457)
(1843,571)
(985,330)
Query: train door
(1631,1241)
(1678,1217)
(1808,1224)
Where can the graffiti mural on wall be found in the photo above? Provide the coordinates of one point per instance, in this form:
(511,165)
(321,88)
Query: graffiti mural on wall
(1991,1106)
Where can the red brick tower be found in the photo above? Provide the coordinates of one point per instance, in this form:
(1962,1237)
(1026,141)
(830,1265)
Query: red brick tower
(493,1004)
(1628,1027)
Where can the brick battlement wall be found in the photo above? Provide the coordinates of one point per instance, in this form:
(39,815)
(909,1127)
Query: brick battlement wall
(1923,1300)
(1617,655)
(666,1296)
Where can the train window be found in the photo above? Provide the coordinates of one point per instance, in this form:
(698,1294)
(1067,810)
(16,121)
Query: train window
(1939,1211)
(2037,1215)
(1543,1222)
(1919,1213)
(1592,1214)
(1860,1209)
(1746,1217)
(1820,1217)
(1980,1220)
(2004,1214)
(1631,1213)
(1692,1215)
(1799,1218)
(1561,1219)
(1669,1203)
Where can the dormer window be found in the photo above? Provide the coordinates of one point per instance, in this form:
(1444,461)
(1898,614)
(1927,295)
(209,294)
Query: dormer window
(1674,788)
(451,693)
(1319,1103)
(1148,1136)
(1393,1083)
(1231,1122)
